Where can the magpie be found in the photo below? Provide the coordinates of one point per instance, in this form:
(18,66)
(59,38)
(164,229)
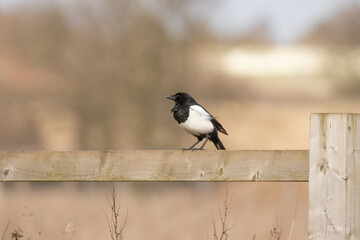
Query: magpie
(196,120)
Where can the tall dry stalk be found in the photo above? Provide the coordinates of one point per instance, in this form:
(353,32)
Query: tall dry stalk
(275,233)
(17,234)
(293,220)
(116,229)
(223,211)
(70,231)
(6,228)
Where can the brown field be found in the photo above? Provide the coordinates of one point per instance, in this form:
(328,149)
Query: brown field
(156,210)
(181,210)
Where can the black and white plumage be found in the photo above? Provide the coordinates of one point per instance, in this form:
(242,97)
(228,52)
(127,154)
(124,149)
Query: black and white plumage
(196,120)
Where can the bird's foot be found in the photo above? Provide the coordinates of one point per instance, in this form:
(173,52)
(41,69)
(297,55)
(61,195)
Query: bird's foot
(191,149)
(198,149)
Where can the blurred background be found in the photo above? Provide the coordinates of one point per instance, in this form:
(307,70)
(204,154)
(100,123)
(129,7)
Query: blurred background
(80,75)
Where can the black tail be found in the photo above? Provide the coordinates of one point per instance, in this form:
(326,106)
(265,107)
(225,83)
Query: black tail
(218,144)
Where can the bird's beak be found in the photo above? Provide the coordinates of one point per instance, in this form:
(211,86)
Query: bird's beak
(171,97)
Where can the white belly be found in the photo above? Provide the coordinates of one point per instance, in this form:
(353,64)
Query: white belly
(198,123)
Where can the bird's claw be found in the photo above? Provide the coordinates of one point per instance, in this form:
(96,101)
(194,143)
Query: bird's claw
(191,149)
(187,149)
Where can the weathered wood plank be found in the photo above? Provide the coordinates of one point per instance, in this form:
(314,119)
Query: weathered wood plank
(334,181)
(288,165)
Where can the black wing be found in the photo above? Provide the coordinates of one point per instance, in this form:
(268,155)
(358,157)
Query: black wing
(218,126)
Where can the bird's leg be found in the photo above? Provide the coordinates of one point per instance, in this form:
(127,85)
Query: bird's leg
(192,147)
(202,147)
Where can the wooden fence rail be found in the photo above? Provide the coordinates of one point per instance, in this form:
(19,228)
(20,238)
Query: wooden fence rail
(332,167)
(155,166)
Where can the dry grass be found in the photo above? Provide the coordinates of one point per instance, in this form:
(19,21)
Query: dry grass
(5,230)
(70,231)
(275,233)
(293,220)
(223,213)
(161,212)
(115,228)
(17,234)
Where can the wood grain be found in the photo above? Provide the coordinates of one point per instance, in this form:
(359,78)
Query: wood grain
(288,165)
(334,181)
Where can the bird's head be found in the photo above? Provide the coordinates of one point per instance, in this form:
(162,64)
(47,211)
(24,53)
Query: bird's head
(180,97)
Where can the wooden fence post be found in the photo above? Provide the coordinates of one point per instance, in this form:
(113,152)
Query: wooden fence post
(334,177)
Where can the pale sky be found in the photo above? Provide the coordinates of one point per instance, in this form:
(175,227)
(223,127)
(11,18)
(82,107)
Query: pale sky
(288,20)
